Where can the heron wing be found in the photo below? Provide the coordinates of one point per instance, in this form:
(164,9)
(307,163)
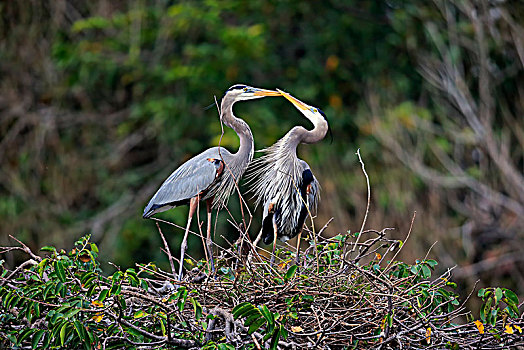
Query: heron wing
(190,179)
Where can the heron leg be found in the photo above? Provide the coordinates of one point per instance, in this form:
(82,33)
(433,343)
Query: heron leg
(298,246)
(193,202)
(274,240)
(209,242)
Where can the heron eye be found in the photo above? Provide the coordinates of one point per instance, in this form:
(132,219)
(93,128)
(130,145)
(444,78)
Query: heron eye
(315,110)
(245,89)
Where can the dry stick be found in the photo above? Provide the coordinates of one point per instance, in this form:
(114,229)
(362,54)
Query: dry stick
(256,342)
(26,249)
(368,203)
(324,227)
(168,251)
(243,235)
(172,224)
(398,251)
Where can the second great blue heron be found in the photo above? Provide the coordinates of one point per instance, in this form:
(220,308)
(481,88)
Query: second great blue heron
(210,176)
(284,183)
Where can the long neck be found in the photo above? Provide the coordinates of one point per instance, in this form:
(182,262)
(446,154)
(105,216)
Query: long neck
(245,151)
(299,134)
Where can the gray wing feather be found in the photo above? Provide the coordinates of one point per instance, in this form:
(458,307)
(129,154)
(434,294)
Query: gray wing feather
(190,179)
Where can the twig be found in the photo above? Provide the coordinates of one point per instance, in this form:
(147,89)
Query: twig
(26,249)
(168,251)
(400,248)
(368,202)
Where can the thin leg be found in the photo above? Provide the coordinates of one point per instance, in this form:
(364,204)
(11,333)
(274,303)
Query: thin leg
(193,203)
(298,246)
(257,239)
(209,243)
(274,240)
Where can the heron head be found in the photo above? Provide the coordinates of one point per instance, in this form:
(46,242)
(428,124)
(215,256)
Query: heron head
(314,114)
(241,92)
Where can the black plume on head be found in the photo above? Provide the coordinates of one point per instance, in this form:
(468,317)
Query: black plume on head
(237,87)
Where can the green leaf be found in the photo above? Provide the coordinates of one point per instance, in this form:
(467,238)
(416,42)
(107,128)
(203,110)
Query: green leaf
(91,336)
(268,315)
(250,313)
(253,317)
(46,341)
(144,285)
(86,276)
(6,297)
(59,269)
(241,309)
(48,248)
(426,272)
(103,295)
(182,298)
(63,333)
(54,316)
(494,314)
(140,314)
(197,308)
(37,309)
(28,313)
(511,296)
(432,263)
(79,329)
(163,327)
(274,340)
(72,312)
(94,248)
(116,288)
(23,335)
(36,338)
(256,325)
(512,310)
(290,273)
(47,290)
(498,295)
(487,293)
(12,301)
(481,292)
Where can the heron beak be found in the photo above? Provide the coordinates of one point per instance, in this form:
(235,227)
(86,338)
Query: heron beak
(262,92)
(299,104)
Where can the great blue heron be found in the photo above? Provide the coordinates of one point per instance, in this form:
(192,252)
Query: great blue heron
(210,176)
(284,183)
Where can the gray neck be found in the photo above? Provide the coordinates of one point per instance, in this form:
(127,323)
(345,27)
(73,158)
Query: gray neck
(300,134)
(245,151)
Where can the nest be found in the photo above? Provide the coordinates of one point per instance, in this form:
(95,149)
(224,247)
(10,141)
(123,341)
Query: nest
(342,294)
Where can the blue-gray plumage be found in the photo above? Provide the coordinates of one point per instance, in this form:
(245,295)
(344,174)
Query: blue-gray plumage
(284,183)
(211,175)
(199,176)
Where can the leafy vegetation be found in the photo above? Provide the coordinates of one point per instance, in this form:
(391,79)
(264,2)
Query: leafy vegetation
(337,297)
(101,100)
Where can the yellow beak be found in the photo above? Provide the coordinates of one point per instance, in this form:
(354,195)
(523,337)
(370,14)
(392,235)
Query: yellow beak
(262,92)
(297,103)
